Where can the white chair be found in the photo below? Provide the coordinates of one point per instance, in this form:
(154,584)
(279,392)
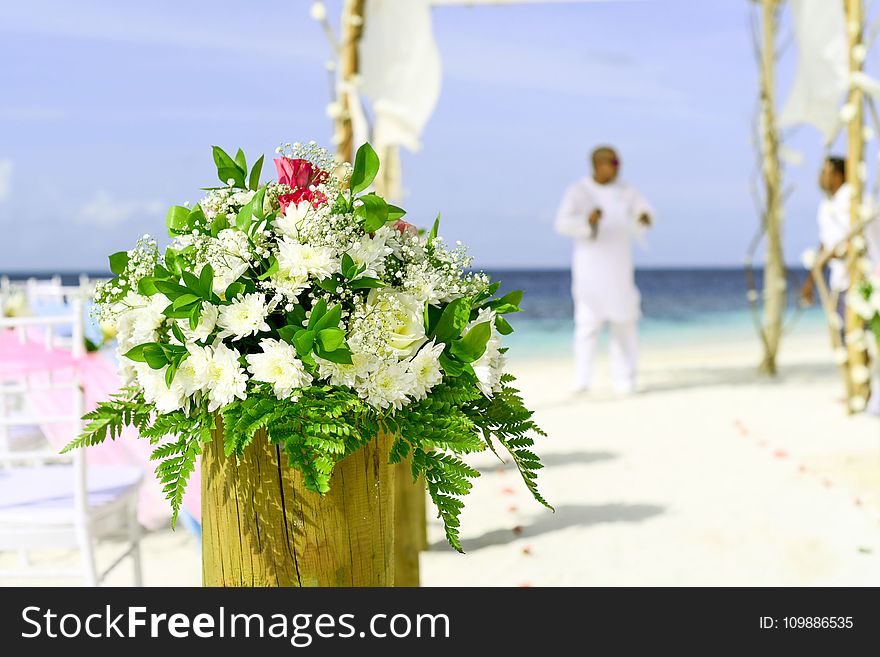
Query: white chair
(50,501)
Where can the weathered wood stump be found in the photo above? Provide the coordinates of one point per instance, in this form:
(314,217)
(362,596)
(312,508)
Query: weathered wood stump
(261,527)
(410,531)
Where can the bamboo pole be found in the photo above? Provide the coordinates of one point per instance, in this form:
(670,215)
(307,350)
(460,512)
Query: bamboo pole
(855,166)
(352,29)
(774,268)
(261,527)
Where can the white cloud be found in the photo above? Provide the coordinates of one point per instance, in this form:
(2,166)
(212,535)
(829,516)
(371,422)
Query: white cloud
(5,180)
(104,211)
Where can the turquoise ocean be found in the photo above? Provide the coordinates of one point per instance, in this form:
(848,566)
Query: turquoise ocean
(679,306)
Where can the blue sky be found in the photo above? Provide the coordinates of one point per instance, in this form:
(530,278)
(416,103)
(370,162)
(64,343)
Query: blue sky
(109,110)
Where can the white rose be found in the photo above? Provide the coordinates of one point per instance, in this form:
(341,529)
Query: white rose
(403,316)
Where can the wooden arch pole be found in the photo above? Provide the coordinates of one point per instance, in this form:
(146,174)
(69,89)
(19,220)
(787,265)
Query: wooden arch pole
(774,268)
(855,166)
(352,29)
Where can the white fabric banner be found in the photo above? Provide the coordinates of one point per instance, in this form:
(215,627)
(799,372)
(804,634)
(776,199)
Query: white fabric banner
(400,70)
(822,69)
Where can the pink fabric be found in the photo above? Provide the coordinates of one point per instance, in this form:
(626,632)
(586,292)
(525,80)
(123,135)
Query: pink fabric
(98,377)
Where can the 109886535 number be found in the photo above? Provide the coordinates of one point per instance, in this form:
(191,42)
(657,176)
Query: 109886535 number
(817,622)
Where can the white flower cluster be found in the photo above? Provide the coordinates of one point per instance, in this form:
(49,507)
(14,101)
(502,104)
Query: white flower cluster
(865,300)
(312,248)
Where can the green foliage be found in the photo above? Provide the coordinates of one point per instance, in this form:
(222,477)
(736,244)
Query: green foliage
(125,408)
(228,168)
(176,458)
(366,166)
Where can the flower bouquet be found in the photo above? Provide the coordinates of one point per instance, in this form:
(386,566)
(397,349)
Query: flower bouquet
(305,319)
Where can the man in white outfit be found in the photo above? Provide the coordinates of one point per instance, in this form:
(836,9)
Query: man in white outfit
(603,215)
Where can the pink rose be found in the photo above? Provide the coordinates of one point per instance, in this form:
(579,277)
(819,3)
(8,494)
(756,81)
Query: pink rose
(299,173)
(405,227)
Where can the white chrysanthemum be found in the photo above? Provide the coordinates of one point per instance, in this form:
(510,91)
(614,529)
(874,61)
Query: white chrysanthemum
(298,260)
(288,224)
(490,366)
(858,403)
(223,378)
(139,319)
(280,366)
(246,315)
(156,391)
(388,386)
(192,375)
(370,253)
(288,286)
(339,374)
(226,272)
(426,370)
(207,323)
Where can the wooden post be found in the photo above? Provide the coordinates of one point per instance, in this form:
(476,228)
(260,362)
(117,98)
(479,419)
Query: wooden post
(352,28)
(410,526)
(774,268)
(855,164)
(261,527)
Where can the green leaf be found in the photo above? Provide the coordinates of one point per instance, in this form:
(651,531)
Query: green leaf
(175,329)
(395,212)
(256,204)
(433,234)
(227,168)
(118,262)
(206,281)
(235,288)
(191,282)
(172,262)
(330,319)
(296,317)
(503,326)
(328,284)
(373,212)
(194,316)
(303,341)
(287,333)
(185,300)
(137,353)
(473,344)
(218,223)
(365,282)
(147,286)
(331,339)
(366,166)
(340,356)
(171,290)
(454,318)
(254,180)
(245,217)
(240,160)
(155,356)
(349,267)
(177,220)
(318,311)
(273,268)
(451,367)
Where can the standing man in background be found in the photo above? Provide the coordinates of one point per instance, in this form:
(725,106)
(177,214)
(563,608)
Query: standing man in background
(603,215)
(833,220)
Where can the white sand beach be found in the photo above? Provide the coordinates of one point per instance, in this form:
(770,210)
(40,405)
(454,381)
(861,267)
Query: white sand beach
(711,475)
